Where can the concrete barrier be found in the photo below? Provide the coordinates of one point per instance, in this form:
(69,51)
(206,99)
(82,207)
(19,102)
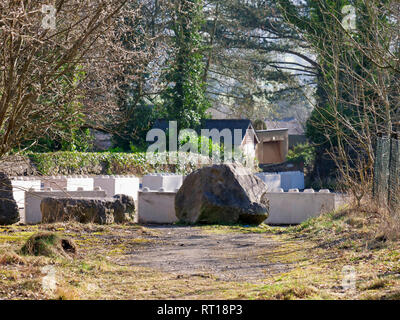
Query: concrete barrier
(70,183)
(33,214)
(156,207)
(292,180)
(285,180)
(168,181)
(22,184)
(113,185)
(292,207)
(272,180)
(296,207)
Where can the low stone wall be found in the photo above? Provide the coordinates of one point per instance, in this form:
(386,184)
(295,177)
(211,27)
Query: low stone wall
(118,209)
(33,215)
(156,207)
(17,165)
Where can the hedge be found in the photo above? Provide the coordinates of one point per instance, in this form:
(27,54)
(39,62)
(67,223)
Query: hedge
(64,163)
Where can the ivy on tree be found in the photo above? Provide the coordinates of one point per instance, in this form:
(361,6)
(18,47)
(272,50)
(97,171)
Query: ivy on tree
(184,100)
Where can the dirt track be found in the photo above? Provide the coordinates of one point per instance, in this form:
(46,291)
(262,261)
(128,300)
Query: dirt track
(192,251)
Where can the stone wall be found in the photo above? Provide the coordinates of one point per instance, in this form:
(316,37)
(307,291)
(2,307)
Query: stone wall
(17,166)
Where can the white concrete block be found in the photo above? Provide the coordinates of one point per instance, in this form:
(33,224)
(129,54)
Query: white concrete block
(168,181)
(86,184)
(297,207)
(272,180)
(33,199)
(112,185)
(21,185)
(292,180)
(156,207)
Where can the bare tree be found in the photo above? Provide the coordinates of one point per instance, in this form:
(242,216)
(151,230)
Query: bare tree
(360,72)
(52,56)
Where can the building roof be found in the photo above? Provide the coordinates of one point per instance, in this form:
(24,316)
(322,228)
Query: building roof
(219,124)
(294,127)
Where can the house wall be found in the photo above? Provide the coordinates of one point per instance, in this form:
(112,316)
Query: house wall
(271,152)
(273,146)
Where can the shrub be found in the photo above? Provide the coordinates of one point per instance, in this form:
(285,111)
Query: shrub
(54,163)
(302,153)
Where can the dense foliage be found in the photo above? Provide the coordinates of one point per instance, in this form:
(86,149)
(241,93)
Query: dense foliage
(184,100)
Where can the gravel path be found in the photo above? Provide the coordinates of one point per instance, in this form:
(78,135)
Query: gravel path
(193,251)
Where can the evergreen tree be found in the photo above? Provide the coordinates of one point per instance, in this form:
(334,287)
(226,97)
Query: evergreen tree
(184,100)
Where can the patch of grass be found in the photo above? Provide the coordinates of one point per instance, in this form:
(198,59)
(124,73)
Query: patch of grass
(49,244)
(223,229)
(375,284)
(66,293)
(11,258)
(296,293)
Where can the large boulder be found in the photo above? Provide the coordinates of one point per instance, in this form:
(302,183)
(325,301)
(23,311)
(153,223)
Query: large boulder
(227,193)
(9,212)
(119,209)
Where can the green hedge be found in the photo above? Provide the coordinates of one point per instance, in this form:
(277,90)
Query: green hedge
(64,162)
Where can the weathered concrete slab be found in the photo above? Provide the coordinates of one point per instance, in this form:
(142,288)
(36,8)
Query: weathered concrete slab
(285,180)
(296,207)
(156,207)
(167,181)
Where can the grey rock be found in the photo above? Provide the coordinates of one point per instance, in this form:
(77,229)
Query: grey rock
(9,212)
(85,210)
(227,193)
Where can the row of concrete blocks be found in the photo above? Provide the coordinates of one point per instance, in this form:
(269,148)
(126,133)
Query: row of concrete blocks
(157,181)
(159,206)
(286,208)
(111,184)
(28,192)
